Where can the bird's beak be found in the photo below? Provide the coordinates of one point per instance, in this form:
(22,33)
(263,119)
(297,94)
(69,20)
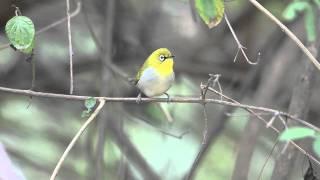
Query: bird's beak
(172,56)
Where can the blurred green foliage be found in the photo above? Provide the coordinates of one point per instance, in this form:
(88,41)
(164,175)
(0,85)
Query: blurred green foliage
(308,8)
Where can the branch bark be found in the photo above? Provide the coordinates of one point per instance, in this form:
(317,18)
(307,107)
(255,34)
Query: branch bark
(70,45)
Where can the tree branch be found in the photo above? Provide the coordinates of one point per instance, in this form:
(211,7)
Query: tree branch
(178,99)
(240,46)
(197,100)
(288,32)
(70,45)
(75,138)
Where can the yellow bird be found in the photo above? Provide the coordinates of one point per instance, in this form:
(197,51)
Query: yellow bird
(156,75)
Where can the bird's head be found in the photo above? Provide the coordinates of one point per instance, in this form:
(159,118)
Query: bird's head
(162,60)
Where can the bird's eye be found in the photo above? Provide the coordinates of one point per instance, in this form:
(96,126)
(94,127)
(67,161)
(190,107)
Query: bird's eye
(162,58)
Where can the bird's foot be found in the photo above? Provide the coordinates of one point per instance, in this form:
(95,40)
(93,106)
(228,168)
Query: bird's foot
(168,97)
(138,98)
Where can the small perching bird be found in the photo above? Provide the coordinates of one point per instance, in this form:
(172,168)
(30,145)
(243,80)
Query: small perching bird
(156,75)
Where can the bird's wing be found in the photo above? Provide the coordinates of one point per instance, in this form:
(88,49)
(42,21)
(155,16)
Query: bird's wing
(142,69)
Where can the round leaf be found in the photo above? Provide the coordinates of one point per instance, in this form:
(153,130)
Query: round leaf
(21,33)
(296,133)
(29,49)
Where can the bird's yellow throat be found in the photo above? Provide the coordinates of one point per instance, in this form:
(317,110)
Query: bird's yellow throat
(165,68)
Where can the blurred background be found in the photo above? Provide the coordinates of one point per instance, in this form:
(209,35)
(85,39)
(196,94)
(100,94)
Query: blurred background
(135,141)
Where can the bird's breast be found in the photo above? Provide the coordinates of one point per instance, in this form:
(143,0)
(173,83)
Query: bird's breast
(155,84)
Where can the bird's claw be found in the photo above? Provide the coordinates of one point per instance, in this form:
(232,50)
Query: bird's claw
(138,98)
(168,97)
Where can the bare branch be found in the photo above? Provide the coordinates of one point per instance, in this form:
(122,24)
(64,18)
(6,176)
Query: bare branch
(177,99)
(240,46)
(272,127)
(288,32)
(205,128)
(75,138)
(70,45)
(266,161)
(198,100)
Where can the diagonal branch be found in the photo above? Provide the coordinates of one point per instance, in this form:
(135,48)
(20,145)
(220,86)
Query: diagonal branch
(288,32)
(75,138)
(271,126)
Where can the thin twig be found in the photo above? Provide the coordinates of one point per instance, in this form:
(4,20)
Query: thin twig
(181,99)
(180,136)
(172,100)
(208,84)
(272,127)
(266,161)
(70,45)
(240,46)
(50,26)
(205,128)
(273,118)
(288,32)
(269,110)
(198,100)
(75,138)
(205,116)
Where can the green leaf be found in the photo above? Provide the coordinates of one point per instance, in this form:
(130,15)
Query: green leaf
(316,145)
(296,133)
(290,13)
(90,103)
(29,49)
(210,11)
(21,33)
(310,23)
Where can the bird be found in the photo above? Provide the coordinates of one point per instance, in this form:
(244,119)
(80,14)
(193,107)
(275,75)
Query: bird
(156,75)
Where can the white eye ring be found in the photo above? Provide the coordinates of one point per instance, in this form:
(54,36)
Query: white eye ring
(162,58)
